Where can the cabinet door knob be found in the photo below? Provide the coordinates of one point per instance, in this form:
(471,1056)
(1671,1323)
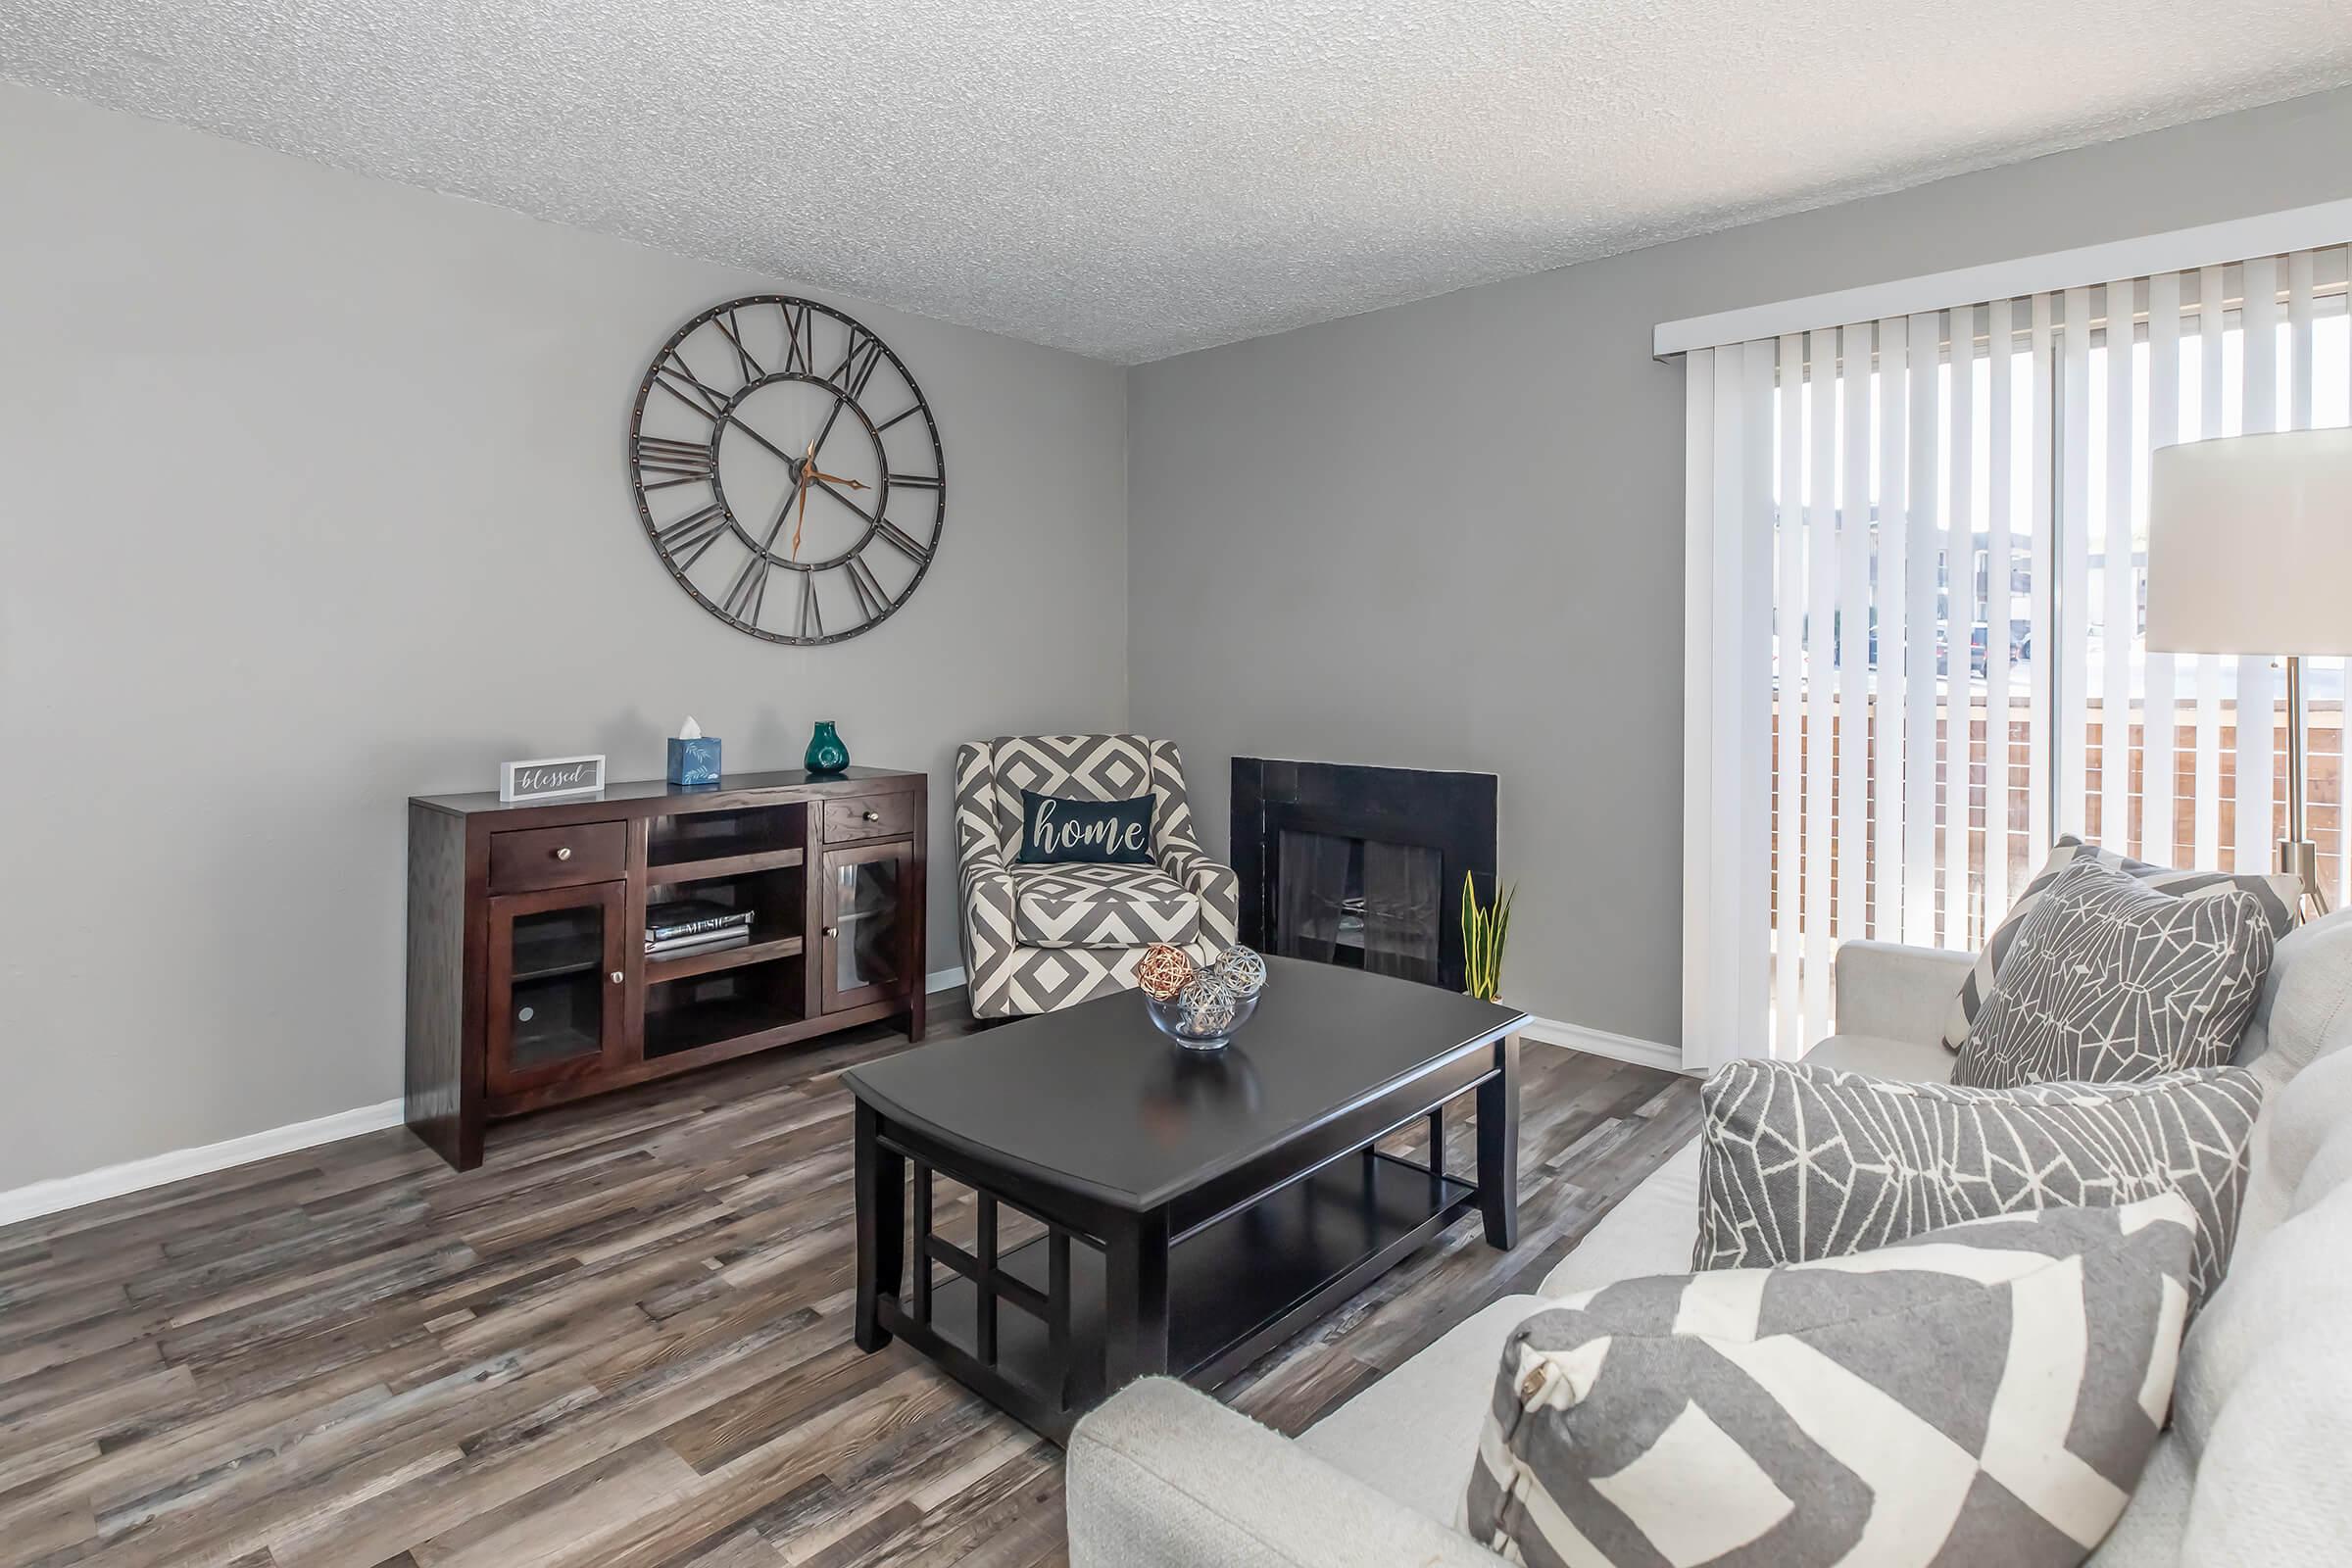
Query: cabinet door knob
(832,931)
(873,817)
(616,977)
(564,853)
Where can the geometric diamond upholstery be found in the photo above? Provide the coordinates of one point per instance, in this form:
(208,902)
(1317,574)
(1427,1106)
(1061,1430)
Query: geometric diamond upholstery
(1081,906)
(1008,960)
(1069,768)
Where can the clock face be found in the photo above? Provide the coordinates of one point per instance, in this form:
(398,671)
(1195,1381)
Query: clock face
(787,469)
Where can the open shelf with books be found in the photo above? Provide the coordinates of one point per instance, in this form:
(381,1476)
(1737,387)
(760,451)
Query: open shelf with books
(564,949)
(721,922)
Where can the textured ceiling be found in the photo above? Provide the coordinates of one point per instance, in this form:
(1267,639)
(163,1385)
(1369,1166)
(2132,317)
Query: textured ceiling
(1131,178)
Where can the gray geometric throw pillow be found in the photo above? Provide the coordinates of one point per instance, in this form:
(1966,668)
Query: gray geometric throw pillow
(2278,894)
(2109,980)
(1983,1395)
(1798,1163)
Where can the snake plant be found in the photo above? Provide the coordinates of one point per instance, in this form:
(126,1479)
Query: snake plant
(1483,932)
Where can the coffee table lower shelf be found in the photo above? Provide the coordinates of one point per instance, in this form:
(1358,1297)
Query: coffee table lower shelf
(1237,1288)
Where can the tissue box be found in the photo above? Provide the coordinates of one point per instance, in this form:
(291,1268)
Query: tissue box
(694,762)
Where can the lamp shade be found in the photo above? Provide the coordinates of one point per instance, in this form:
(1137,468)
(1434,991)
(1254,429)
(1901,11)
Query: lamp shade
(2250,545)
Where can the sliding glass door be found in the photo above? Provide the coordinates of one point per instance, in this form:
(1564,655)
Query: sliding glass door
(1920,556)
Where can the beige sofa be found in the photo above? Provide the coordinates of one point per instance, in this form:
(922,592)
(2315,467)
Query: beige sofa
(2251,1473)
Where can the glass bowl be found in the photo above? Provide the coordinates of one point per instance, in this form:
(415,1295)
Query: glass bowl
(1170,1020)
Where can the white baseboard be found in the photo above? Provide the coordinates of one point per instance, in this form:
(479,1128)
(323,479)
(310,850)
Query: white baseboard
(1601,1043)
(113,1181)
(939,980)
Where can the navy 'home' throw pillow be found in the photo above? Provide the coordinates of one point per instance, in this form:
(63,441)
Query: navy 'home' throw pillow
(1060,832)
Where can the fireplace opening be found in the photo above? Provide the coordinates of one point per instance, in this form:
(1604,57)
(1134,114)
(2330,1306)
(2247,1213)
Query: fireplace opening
(1362,866)
(1359,903)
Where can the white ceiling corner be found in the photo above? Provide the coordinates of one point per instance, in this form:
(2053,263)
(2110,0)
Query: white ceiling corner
(1133,178)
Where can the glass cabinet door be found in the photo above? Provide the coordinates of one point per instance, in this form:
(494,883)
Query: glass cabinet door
(868,925)
(555,985)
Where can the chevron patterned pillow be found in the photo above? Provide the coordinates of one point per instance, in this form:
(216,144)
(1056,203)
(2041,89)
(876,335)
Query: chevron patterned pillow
(1985,1394)
(1798,1163)
(2279,895)
(2112,980)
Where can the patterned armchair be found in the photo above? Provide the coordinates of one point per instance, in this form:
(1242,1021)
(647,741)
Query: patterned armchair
(1041,937)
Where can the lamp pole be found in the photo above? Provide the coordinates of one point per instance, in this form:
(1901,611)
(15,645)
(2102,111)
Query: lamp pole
(2298,857)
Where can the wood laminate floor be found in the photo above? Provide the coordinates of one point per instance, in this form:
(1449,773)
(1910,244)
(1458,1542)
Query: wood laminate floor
(624,1340)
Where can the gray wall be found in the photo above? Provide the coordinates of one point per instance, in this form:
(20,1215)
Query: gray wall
(315,497)
(287,450)
(1449,534)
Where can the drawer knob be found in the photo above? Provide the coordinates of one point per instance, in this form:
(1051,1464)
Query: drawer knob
(616,977)
(564,853)
(873,817)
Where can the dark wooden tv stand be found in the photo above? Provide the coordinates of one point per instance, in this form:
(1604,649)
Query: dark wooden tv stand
(528,982)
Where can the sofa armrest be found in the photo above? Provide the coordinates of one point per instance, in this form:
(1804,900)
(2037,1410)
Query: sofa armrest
(1896,992)
(1165,1476)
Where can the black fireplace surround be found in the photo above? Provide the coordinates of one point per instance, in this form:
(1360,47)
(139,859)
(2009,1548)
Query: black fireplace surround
(1362,866)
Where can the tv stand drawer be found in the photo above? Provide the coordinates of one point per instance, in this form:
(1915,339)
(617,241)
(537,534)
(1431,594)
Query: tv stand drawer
(530,859)
(874,816)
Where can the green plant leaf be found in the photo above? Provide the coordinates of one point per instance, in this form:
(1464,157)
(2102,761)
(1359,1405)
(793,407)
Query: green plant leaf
(1485,931)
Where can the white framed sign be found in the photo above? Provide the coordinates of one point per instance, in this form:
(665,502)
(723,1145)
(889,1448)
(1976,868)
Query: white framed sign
(550,778)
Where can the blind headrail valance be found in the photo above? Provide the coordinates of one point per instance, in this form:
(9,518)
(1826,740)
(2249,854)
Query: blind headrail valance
(2177,250)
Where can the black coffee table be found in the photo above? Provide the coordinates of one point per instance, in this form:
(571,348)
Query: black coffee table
(1198,1210)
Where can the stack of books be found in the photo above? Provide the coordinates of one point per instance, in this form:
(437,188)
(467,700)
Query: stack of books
(694,925)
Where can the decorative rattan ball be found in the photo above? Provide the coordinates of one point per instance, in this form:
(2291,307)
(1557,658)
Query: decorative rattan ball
(1204,1007)
(1162,972)
(1242,971)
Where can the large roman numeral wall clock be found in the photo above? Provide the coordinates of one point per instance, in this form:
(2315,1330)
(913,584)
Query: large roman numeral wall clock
(788,469)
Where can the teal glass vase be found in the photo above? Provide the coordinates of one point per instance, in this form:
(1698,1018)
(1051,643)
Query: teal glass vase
(826,754)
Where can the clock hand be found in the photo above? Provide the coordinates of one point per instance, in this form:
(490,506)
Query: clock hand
(806,467)
(855,484)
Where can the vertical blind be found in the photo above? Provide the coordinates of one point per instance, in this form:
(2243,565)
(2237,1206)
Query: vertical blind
(1916,554)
